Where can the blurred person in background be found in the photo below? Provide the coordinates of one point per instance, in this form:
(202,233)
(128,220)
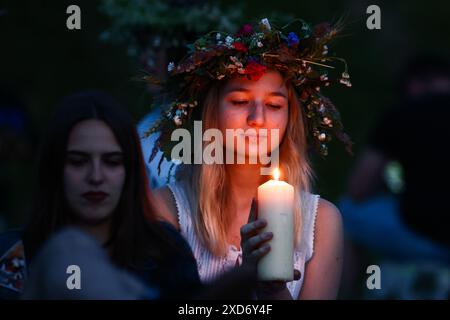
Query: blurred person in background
(394,206)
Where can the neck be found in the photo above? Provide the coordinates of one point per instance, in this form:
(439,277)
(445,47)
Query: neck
(100,232)
(243,181)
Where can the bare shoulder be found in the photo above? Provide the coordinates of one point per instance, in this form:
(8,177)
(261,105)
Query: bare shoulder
(328,216)
(323,271)
(329,229)
(165,206)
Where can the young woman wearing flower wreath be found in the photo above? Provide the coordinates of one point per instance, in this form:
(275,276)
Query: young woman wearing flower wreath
(261,78)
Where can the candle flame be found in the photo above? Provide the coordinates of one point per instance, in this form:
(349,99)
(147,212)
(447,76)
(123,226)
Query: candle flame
(276,174)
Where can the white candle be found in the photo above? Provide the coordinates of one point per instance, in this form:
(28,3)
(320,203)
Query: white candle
(276,206)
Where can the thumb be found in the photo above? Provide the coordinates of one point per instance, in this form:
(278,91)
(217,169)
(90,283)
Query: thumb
(253,211)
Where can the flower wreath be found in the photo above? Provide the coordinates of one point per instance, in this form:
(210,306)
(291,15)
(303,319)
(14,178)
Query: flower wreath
(301,54)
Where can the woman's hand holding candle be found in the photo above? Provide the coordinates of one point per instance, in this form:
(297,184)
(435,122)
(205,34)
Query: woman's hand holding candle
(254,244)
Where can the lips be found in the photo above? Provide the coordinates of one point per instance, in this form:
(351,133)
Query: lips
(255,136)
(259,135)
(95,196)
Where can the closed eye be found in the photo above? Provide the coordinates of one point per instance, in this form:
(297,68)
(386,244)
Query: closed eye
(113,161)
(274,106)
(239,102)
(76,161)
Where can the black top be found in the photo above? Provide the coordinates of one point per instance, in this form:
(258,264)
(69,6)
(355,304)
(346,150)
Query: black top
(416,134)
(177,277)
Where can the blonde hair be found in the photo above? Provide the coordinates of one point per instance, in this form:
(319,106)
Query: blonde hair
(209,182)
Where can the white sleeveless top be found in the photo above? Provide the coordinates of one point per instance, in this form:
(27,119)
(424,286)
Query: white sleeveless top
(210,266)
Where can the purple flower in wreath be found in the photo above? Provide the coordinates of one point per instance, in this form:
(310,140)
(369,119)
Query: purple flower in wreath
(292,39)
(246,31)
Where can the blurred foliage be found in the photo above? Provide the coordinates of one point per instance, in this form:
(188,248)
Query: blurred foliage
(171,20)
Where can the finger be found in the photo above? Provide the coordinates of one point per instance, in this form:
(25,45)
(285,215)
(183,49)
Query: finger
(250,228)
(297,274)
(253,211)
(259,253)
(256,241)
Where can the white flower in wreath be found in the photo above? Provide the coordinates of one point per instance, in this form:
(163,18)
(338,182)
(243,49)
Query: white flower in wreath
(266,24)
(170,66)
(177,120)
(229,41)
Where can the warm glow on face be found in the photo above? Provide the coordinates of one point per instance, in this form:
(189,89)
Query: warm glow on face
(276,174)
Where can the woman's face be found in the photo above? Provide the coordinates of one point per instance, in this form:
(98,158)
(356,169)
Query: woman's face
(94,172)
(248,104)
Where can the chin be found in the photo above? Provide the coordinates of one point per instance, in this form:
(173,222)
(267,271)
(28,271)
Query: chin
(94,216)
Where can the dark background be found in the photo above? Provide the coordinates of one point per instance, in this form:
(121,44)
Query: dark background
(41,61)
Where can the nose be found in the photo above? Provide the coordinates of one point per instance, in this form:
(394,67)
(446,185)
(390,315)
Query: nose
(256,117)
(95,175)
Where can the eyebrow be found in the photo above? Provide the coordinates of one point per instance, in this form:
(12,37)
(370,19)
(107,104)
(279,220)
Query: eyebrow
(241,89)
(84,154)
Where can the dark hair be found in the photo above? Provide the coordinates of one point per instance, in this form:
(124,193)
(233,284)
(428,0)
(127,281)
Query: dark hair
(135,234)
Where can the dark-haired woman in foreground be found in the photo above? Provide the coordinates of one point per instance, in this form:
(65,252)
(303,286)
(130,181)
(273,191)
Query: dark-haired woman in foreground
(91,176)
